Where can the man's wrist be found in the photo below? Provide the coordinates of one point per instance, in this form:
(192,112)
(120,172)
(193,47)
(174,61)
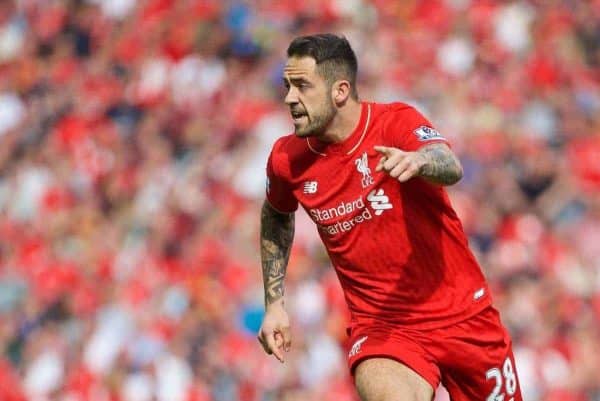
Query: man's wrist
(277,303)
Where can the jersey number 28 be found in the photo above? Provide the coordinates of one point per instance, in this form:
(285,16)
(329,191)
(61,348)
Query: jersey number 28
(506,377)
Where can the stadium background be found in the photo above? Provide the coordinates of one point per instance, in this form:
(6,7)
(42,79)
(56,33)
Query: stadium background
(133,138)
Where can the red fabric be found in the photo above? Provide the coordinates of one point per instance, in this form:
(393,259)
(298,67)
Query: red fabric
(180,39)
(205,9)
(49,22)
(81,382)
(481,18)
(433,15)
(71,130)
(466,357)
(489,146)
(564,395)
(96,180)
(543,72)
(399,249)
(102,88)
(235,277)
(129,47)
(156,9)
(198,393)
(136,292)
(583,154)
(64,70)
(85,298)
(10,386)
(55,280)
(56,198)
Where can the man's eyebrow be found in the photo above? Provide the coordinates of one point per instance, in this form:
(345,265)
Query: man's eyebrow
(295,80)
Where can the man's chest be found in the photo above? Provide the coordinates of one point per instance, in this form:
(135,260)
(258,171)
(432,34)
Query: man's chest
(337,177)
(340,192)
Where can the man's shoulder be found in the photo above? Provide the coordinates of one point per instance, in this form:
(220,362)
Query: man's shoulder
(397,114)
(393,107)
(289,145)
(289,150)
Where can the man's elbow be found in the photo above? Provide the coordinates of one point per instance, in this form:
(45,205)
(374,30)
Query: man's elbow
(452,176)
(459,173)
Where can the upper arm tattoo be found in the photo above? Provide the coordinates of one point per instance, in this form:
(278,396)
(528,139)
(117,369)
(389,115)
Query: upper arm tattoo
(442,166)
(276,236)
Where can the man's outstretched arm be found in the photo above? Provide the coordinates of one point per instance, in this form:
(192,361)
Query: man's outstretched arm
(276,237)
(436,163)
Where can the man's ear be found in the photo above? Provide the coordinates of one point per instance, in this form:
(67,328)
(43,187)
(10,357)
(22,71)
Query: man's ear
(340,92)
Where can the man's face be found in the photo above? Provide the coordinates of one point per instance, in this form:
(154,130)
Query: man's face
(308,97)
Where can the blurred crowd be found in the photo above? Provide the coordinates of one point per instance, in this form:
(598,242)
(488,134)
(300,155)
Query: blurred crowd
(133,141)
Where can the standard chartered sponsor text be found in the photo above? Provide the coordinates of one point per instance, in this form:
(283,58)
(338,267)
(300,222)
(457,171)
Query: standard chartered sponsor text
(343,209)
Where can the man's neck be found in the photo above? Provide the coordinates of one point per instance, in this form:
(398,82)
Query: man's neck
(344,123)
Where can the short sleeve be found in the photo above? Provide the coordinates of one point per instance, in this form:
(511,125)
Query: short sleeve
(278,191)
(407,129)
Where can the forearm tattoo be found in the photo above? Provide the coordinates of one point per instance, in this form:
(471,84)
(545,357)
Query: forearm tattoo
(442,166)
(276,236)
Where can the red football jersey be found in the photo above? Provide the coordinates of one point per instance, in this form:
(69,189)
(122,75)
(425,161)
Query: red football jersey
(398,248)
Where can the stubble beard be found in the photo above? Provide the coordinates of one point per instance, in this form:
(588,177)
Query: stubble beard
(317,124)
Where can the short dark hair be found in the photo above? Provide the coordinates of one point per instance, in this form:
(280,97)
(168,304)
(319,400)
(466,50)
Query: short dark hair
(333,54)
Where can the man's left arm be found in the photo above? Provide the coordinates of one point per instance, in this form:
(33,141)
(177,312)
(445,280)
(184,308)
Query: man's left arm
(434,162)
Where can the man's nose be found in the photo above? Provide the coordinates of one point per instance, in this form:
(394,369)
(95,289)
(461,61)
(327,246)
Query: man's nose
(291,96)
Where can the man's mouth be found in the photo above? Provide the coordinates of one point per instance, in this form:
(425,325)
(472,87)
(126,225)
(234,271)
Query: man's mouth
(298,115)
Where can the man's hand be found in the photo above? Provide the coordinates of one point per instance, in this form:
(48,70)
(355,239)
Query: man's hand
(400,164)
(434,162)
(274,334)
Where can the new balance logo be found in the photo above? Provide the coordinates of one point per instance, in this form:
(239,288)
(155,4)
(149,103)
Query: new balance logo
(379,201)
(362,166)
(356,347)
(479,293)
(310,187)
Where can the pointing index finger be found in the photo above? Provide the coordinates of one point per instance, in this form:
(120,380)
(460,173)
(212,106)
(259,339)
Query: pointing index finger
(273,347)
(384,150)
(287,338)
